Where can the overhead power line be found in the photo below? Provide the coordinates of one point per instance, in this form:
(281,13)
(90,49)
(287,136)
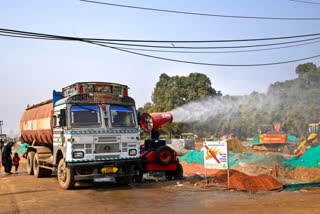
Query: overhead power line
(63,38)
(203,14)
(203,63)
(55,37)
(208,47)
(307,2)
(158,41)
(217,52)
(29,35)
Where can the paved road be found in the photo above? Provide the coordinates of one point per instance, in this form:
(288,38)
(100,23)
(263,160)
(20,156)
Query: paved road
(26,194)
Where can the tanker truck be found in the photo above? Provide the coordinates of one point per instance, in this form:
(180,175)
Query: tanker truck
(87,131)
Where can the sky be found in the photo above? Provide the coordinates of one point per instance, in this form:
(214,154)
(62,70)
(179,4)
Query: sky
(31,69)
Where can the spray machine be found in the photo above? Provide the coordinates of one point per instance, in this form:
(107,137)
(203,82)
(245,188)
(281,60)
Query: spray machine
(156,156)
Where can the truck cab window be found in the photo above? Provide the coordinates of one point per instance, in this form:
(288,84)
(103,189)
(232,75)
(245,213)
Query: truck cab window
(85,116)
(122,116)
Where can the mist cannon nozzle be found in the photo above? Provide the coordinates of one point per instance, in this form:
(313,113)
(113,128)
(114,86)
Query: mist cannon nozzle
(155,120)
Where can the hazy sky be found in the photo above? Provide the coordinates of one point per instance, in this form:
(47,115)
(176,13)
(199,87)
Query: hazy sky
(31,69)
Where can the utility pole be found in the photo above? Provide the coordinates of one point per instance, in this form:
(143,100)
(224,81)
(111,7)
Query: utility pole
(1,123)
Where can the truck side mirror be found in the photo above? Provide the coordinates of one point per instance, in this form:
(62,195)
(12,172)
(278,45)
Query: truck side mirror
(62,119)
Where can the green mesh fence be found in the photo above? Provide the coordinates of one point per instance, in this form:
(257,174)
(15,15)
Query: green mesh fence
(237,159)
(295,187)
(193,156)
(309,159)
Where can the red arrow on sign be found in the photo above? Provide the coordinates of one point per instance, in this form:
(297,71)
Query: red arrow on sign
(212,153)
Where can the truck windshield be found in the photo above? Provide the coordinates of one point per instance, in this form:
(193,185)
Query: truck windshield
(122,116)
(85,116)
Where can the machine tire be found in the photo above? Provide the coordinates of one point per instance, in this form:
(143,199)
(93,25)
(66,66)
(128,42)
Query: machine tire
(30,158)
(179,173)
(175,175)
(37,170)
(65,176)
(123,180)
(164,155)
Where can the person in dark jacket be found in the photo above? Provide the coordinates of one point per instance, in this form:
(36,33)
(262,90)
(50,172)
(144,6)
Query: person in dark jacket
(6,157)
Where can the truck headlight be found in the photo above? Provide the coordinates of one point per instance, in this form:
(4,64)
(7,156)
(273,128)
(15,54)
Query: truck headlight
(132,152)
(78,154)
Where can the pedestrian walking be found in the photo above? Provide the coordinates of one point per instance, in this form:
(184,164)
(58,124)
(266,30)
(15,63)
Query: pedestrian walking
(16,161)
(6,157)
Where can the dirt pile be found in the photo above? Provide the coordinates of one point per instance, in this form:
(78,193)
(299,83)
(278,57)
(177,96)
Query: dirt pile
(190,169)
(257,169)
(310,174)
(243,181)
(235,145)
(238,180)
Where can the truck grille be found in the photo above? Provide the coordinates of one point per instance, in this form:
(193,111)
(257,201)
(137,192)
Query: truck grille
(107,148)
(106,156)
(107,139)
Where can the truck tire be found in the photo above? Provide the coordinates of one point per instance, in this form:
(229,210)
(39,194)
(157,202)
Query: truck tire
(179,173)
(37,170)
(65,176)
(30,158)
(123,180)
(164,155)
(175,175)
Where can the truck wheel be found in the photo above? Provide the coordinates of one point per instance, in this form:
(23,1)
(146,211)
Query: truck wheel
(65,176)
(30,158)
(123,180)
(179,173)
(164,155)
(37,170)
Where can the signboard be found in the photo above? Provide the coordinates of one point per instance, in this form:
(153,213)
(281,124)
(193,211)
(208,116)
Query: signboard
(215,155)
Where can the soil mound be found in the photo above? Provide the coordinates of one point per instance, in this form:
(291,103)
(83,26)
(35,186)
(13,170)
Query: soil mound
(310,174)
(243,181)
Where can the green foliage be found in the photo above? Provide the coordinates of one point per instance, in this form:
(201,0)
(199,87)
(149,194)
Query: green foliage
(171,92)
(292,103)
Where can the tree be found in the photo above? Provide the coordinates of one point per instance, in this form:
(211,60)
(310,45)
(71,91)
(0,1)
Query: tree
(172,92)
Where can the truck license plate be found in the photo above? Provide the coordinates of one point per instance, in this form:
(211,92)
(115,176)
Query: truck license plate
(109,170)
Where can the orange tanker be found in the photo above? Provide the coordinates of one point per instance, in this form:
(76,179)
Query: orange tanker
(36,123)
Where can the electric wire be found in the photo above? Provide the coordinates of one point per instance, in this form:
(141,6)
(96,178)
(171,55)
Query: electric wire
(159,41)
(307,2)
(207,47)
(202,14)
(218,52)
(203,63)
(162,58)
(169,51)
(177,47)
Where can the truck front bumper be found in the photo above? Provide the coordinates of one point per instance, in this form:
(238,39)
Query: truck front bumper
(125,168)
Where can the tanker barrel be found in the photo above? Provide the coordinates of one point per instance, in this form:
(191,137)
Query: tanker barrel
(155,120)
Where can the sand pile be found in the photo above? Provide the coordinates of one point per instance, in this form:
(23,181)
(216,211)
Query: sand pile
(238,179)
(243,181)
(310,174)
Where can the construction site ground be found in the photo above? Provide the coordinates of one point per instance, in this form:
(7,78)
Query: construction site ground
(22,193)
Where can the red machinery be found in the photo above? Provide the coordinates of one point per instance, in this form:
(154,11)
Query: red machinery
(155,155)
